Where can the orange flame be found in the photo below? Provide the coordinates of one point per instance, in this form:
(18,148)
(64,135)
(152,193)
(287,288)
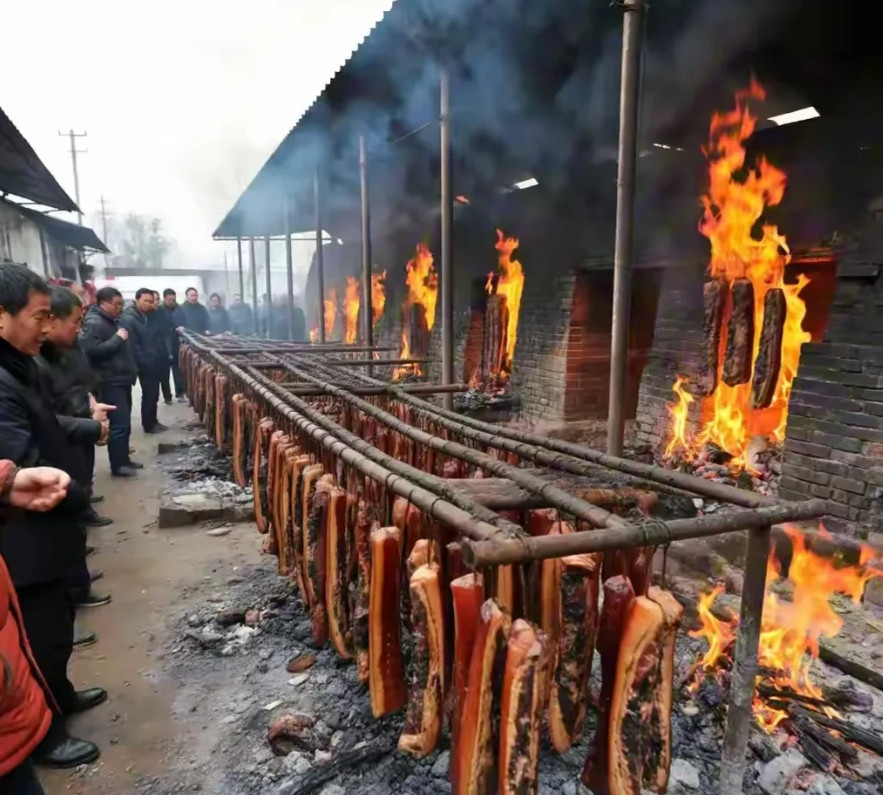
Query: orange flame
(378,296)
(791,631)
(679,412)
(510,285)
(422,281)
(330,311)
(732,208)
(351,310)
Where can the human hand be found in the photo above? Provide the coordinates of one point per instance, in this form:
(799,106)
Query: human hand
(99,411)
(38,488)
(105,432)
(122,334)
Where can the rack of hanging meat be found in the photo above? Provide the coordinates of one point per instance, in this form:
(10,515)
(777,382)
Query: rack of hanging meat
(503,558)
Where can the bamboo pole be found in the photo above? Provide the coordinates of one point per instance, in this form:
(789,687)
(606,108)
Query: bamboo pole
(652,533)
(556,497)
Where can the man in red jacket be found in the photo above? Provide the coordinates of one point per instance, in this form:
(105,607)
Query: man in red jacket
(25,714)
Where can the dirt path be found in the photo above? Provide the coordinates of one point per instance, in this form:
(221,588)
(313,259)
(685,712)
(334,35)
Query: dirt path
(147,571)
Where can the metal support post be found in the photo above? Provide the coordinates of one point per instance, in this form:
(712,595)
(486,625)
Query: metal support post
(239,262)
(367,308)
(447,212)
(289,267)
(632,39)
(320,254)
(745,664)
(254,275)
(269,287)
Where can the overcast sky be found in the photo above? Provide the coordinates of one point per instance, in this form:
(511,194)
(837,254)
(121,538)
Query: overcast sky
(183,100)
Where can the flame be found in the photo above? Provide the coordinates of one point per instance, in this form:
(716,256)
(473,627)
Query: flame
(790,631)
(737,196)
(509,284)
(351,310)
(679,412)
(330,311)
(378,296)
(422,281)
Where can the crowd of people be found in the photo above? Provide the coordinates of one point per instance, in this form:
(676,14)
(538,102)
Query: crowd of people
(68,366)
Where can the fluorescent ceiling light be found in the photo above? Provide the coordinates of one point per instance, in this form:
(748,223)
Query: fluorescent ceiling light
(666,146)
(526,183)
(804,114)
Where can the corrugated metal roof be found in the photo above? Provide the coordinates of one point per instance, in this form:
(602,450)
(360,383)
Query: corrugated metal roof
(81,238)
(23,174)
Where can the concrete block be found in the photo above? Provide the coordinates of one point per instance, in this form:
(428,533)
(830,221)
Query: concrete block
(183,508)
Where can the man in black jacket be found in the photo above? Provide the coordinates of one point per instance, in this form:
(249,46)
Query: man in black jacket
(241,321)
(170,313)
(40,548)
(106,343)
(194,315)
(150,346)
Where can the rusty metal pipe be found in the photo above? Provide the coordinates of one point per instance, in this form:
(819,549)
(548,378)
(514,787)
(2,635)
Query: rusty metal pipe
(652,533)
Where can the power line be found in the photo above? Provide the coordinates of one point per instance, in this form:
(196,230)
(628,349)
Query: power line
(74,152)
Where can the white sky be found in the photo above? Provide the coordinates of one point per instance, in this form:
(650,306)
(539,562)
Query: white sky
(183,100)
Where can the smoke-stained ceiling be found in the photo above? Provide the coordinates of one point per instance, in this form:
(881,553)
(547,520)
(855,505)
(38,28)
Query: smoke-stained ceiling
(535,92)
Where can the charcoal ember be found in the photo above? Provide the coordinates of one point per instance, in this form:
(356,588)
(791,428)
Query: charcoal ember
(769,354)
(717,455)
(740,335)
(713,302)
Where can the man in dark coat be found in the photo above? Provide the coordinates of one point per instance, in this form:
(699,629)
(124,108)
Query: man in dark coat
(241,320)
(170,314)
(150,346)
(106,343)
(218,319)
(194,315)
(40,548)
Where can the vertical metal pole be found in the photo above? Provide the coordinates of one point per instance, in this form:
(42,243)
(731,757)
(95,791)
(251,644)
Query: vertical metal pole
(289,267)
(269,287)
(320,255)
(254,273)
(632,39)
(745,663)
(241,274)
(447,214)
(367,308)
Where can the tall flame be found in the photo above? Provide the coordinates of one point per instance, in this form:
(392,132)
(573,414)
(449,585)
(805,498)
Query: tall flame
(330,311)
(351,310)
(510,285)
(422,281)
(791,631)
(378,296)
(737,196)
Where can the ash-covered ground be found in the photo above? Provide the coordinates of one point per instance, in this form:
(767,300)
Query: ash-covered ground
(241,655)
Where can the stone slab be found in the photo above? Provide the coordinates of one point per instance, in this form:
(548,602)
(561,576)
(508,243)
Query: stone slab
(185,508)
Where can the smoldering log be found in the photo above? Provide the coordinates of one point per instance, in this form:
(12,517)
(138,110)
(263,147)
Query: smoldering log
(713,302)
(495,322)
(740,335)
(769,355)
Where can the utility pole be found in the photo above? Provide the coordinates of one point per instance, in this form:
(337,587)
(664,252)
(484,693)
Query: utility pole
(74,152)
(103,228)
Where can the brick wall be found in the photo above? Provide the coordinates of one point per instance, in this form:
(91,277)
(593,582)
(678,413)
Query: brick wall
(677,337)
(834,437)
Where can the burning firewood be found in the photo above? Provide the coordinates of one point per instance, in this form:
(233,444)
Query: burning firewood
(740,335)
(496,319)
(475,746)
(425,691)
(580,577)
(386,669)
(769,355)
(714,301)
(525,695)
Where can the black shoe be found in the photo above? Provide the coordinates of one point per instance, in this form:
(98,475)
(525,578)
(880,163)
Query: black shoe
(84,700)
(158,428)
(134,465)
(123,472)
(96,498)
(69,752)
(91,600)
(90,550)
(93,519)
(83,639)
